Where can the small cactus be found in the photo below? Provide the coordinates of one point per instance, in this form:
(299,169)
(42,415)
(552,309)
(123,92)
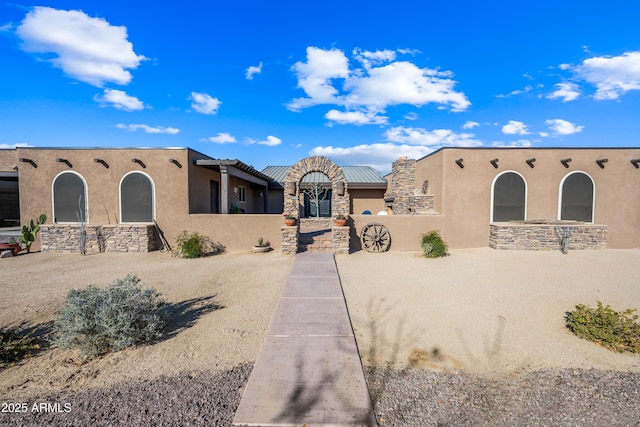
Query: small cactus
(30,231)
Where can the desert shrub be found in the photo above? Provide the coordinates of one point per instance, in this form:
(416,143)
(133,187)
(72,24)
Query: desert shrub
(617,331)
(15,346)
(101,320)
(432,245)
(195,245)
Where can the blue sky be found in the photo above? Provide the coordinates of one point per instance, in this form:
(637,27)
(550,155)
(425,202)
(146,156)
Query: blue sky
(360,82)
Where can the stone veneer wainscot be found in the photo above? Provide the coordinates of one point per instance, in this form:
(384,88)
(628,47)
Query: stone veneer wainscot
(546,236)
(99,238)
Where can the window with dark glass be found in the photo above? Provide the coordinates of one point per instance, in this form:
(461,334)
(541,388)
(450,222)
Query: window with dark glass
(509,198)
(577,198)
(136,198)
(9,202)
(69,198)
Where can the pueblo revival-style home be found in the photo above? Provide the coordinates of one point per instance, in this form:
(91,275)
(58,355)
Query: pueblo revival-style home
(504,198)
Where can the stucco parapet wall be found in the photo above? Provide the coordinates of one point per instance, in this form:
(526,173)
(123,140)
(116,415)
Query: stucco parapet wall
(547,237)
(99,238)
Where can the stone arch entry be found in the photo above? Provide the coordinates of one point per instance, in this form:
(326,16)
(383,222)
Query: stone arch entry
(293,206)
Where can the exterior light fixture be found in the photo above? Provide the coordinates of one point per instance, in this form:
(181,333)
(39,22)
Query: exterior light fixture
(494,162)
(601,162)
(290,187)
(340,188)
(530,162)
(235,190)
(459,163)
(102,162)
(565,162)
(175,162)
(65,161)
(138,161)
(31,162)
(635,163)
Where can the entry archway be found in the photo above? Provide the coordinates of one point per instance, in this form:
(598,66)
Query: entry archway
(294,203)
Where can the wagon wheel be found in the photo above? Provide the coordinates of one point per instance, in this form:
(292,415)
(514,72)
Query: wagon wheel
(375,237)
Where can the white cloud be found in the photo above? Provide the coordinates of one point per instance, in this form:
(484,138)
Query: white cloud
(148,129)
(204,103)
(521,143)
(270,141)
(379,156)
(515,127)
(543,134)
(527,88)
(355,117)
(327,79)
(221,138)
(563,127)
(400,141)
(613,76)
(369,59)
(436,138)
(16,145)
(120,100)
(564,66)
(253,70)
(403,83)
(315,75)
(86,49)
(566,91)
(411,116)
(408,51)
(470,124)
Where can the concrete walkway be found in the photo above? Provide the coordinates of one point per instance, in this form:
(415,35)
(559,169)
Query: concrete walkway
(308,371)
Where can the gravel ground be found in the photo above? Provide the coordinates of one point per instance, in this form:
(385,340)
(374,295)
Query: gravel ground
(550,397)
(408,397)
(200,399)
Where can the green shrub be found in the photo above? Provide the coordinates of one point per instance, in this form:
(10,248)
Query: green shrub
(432,245)
(101,320)
(15,347)
(617,331)
(194,245)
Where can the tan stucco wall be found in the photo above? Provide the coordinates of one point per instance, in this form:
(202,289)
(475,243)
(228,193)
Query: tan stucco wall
(236,232)
(8,159)
(362,199)
(405,230)
(170,182)
(466,194)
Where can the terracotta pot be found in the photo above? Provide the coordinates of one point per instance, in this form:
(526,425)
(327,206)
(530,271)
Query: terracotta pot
(341,222)
(15,247)
(289,222)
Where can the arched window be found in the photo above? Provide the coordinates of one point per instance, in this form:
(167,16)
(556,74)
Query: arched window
(69,198)
(509,197)
(136,198)
(576,197)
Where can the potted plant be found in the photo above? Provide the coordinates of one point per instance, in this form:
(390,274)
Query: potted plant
(262,246)
(341,220)
(289,220)
(12,246)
